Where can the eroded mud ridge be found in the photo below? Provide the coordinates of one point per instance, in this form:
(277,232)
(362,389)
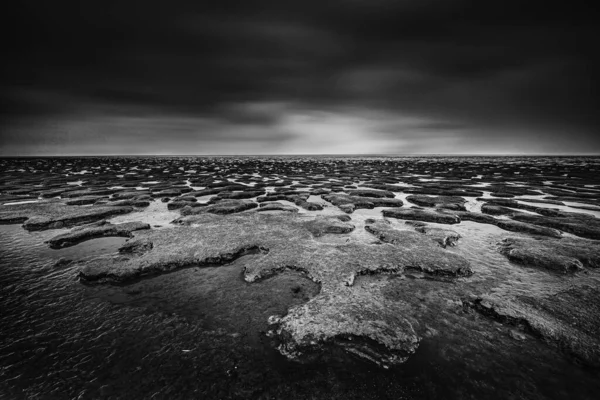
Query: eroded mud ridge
(380,269)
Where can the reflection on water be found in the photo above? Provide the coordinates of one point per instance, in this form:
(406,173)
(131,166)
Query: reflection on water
(203,332)
(156,214)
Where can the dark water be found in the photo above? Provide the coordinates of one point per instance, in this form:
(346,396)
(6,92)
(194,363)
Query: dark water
(199,333)
(203,332)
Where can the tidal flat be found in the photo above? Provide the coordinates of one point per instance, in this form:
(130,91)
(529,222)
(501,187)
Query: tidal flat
(300,277)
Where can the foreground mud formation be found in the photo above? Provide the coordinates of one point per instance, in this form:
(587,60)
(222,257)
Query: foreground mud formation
(566,255)
(96,230)
(277,243)
(568,319)
(376,268)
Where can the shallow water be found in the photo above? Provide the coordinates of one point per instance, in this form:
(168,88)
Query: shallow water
(156,214)
(569,206)
(12,203)
(216,297)
(203,332)
(86,333)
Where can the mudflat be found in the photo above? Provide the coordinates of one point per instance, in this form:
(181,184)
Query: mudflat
(300,277)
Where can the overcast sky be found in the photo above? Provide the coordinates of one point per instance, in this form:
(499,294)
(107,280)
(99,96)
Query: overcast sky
(303,77)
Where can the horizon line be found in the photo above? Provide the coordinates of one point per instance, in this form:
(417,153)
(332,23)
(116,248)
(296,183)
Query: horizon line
(315,155)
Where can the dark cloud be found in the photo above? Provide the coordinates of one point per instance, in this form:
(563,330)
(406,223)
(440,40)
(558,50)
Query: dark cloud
(460,65)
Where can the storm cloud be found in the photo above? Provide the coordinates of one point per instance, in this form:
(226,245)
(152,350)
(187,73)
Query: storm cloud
(256,77)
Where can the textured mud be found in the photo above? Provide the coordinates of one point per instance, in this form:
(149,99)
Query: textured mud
(300,277)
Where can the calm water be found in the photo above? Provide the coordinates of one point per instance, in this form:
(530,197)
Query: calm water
(203,332)
(200,333)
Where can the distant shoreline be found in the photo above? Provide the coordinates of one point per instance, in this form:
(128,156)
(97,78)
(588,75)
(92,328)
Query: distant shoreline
(303,155)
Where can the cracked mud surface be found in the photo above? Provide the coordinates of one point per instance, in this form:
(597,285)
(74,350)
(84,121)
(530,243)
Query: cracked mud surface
(300,277)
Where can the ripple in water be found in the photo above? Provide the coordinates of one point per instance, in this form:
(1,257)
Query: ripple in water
(199,332)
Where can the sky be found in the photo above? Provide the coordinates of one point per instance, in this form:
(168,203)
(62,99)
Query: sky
(299,77)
